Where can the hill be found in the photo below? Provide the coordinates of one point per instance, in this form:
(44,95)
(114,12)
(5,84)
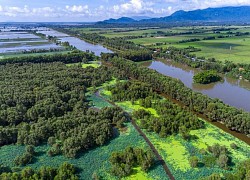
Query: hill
(222,14)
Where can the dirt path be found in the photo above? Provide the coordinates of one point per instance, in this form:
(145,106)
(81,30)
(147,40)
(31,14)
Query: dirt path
(160,159)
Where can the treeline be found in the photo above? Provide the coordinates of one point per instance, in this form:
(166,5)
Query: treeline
(65,171)
(46,103)
(183,56)
(124,162)
(171,119)
(213,109)
(72,57)
(124,48)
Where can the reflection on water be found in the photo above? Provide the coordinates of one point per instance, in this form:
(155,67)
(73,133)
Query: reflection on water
(84,46)
(231,91)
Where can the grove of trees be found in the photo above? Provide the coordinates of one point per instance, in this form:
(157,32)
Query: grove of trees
(45,101)
(206,77)
(124,162)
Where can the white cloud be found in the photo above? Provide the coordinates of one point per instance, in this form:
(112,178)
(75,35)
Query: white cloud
(69,11)
(78,9)
(133,7)
(110,9)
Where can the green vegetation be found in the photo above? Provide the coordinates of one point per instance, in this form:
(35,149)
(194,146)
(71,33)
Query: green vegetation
(94,64)
(55,110)
(124,48)
(193,154)
(57,106)
(124,162)
(65,171)
(242,171)
(184,56)
(72,57)
(214,109)
(206,77)
(67,112)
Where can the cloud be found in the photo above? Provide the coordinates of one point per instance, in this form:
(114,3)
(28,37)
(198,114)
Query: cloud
(78,9)
(104,9)
(135,7)
(25,11)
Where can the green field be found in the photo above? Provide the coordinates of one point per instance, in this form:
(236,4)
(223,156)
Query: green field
(230,48)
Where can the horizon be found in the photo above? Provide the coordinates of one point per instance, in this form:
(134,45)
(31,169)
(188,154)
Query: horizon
(94,11)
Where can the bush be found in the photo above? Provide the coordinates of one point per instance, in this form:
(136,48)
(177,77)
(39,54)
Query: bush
(194,161)
(123,162)
(30,149)
(24,159)
(233,146)
(223,161)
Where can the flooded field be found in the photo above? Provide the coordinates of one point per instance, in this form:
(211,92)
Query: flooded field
(18,42)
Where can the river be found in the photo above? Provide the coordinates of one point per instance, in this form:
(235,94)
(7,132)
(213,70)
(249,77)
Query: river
(78,43)
(231,91)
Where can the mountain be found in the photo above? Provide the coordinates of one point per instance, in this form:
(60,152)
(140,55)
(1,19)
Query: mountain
(119,21)
(222,14)
(138,18)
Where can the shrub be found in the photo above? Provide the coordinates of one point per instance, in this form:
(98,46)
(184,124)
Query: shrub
(30,149)
(24,159)
(194,161)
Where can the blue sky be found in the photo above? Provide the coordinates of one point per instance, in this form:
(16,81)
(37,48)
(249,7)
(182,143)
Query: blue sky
(96,10)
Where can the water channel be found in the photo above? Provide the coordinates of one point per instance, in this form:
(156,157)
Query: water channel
(78,43)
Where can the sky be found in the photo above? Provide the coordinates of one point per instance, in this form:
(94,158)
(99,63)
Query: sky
(98,10)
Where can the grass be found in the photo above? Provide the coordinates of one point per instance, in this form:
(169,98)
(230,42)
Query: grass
(138,174)
(232,48)
(129,106)
(94,64)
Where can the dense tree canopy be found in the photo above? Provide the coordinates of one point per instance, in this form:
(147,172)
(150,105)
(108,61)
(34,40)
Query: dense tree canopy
(65,171)
(123,162)
(40,102)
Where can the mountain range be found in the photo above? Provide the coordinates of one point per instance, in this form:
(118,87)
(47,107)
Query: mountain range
(222,14)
